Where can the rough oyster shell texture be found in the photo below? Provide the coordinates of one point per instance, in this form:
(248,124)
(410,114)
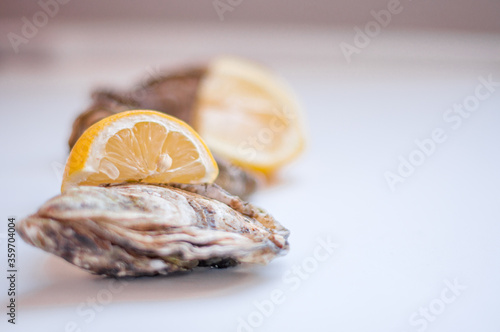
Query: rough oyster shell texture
(171,93)
(138,230)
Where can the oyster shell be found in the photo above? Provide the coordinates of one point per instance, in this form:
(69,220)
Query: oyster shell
(171,93)
(137,230)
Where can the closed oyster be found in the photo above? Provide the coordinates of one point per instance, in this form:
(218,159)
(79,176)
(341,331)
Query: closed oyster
(138,230)
(172,93)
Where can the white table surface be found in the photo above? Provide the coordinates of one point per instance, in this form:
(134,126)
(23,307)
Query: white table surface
(397,250)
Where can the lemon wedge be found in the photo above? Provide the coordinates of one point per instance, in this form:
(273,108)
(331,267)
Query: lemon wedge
(139,146)
(248,115)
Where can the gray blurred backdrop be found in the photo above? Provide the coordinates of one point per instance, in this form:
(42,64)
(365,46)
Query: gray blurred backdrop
(470,15)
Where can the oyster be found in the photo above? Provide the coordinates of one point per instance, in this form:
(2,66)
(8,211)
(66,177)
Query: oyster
(170,93)
(138,230)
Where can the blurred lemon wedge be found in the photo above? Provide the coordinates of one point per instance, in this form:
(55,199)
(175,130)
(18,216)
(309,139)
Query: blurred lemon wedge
(248,115)
(139,146)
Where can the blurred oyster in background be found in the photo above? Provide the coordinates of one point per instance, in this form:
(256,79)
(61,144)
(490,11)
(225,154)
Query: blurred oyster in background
(248,117)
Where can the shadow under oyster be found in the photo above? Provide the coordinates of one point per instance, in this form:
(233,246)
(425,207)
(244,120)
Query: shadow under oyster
(138,230)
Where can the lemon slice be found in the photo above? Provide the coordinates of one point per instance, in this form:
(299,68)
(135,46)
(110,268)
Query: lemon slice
(139,146)
(248,115)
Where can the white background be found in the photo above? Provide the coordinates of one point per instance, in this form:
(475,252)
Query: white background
(396,248)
